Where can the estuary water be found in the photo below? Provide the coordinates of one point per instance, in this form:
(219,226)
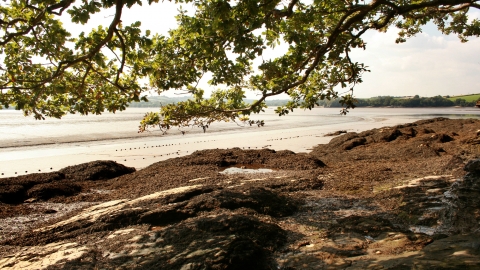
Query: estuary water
(28,145)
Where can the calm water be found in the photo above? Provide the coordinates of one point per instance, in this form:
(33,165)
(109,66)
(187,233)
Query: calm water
(18,130)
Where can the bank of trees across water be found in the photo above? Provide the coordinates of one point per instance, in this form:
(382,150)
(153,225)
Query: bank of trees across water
(416,101)
(381,101)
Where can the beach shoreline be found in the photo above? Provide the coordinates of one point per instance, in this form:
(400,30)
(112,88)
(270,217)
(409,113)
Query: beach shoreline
(298,132)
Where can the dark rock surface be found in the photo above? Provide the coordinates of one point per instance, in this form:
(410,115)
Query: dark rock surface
(43,186)
(96,170)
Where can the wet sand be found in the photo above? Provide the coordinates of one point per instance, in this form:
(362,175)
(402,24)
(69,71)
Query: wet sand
(298,132)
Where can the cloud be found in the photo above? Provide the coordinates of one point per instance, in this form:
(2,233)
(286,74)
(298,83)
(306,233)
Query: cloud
(429,64)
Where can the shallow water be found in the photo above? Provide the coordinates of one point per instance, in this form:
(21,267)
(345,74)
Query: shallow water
(18,130)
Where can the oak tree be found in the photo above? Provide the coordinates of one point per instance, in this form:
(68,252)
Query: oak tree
(48,72)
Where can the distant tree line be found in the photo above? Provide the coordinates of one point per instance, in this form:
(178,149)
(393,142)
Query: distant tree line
(380,101)
(416,101)
(157,101)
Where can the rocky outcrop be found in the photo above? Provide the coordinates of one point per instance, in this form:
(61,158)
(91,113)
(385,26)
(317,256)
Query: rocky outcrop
(43,186)
(96,170)
(201,227)
(462,203)
(14,189)
(285,160)
(425,138)
(235,225)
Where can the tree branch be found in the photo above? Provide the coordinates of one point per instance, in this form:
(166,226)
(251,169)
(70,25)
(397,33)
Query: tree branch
(111,29)
(62,5)
(120,70)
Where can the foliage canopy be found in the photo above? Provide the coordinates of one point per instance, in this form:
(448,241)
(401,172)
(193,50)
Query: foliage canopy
(47,72)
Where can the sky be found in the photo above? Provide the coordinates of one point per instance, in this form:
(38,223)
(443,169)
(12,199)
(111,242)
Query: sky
(429,64)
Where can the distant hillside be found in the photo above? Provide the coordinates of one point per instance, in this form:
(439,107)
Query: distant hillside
(157,101)
(410,102)
(467,98)
(380,101)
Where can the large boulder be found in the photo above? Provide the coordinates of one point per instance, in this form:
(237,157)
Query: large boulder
(461,214)
(96,170)
(32,179)
(54,189)
(473,166)
(12,194)
(13,190)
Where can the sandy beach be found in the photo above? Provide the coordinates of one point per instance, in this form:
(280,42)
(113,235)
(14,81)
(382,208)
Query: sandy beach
(49,146)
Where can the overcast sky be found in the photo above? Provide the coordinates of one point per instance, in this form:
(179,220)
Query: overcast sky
(429,64)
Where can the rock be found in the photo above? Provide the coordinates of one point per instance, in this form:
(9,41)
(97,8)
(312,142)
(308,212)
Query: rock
(40,257)
(473,166)
(30,180)
(454,252)
(336,133)
(31,200)
(12,194)
(96,170)
(339,141)
(13,190)
(44,186)
(463,203)
(443,138)
(50,190)
(354,143)
(265,158)
(217,241)
(387,135)
(109,211)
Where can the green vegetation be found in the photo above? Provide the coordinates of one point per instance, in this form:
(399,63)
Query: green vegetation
(45,71)
(416,101)
(381,101)
(468,98)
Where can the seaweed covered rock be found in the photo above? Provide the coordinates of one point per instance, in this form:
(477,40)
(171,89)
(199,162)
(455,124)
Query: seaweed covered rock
(12,194)
(14,190)
(96,170)
(286,160)
(53,189)
(418,141)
